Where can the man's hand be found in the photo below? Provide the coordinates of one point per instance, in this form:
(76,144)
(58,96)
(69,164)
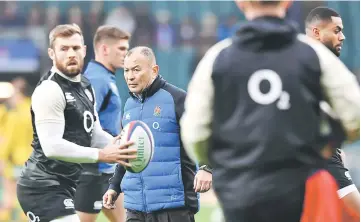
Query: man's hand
(109,199)
(202,181)
(117,153)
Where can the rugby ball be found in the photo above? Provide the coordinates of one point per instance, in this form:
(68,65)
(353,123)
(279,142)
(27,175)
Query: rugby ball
(138,132)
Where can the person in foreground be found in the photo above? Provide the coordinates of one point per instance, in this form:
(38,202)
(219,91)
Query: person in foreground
(325,25)
(66,134)
(252,112)
(167,189)
(111,45)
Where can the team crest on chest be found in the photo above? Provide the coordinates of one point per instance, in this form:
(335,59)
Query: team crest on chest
(157,111)
(69,97)
(127,116)
(89,95)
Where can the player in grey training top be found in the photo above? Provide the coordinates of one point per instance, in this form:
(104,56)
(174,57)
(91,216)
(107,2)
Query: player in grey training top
(66,133)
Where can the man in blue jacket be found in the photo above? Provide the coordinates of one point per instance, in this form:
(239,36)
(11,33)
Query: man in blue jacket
(167,189)
(111,45)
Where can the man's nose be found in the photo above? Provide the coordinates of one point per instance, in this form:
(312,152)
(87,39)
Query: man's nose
(130,75)
(71,52)
(342,36)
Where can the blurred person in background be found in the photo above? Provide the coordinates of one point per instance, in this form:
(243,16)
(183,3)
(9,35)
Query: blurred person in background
(144,33)
(187,33)
(53,17)
(122,18)
(207,37)
(10,17)
(77,16)
(252,112)
(227,28)
(325,25)
(111,45)
(164,31)
(94,19)
(208,31)
(15,145)
(35,28)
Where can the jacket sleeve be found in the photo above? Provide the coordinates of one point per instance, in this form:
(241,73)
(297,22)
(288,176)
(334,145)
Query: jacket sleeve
(179,96)
(116,179)
(197,118)
(340,87)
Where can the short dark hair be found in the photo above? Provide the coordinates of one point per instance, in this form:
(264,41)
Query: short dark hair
(320,14)
(63,31)
(107,32)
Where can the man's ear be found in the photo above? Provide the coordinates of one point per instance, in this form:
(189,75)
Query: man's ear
(155,71)
(104,49)
(316,33)
(51,53)
(84,48)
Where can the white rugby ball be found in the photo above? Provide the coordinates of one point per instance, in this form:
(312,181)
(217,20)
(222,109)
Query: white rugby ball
(138,132)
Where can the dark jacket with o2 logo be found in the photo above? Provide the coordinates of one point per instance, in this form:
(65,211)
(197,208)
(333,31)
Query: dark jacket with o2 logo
(255,98)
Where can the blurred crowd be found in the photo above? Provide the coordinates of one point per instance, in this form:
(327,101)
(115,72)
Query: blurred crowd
(158,29)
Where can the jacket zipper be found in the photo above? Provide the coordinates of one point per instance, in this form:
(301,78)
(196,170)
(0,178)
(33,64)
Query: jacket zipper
(141,178)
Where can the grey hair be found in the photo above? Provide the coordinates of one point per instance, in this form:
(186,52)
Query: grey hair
(145,51)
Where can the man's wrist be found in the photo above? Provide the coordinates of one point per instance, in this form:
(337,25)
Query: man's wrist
(115,188)
(100,157)
(206,168)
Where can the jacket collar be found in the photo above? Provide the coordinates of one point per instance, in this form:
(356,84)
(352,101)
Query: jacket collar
(265,32)
(93,61)
(76,78)
(157,84)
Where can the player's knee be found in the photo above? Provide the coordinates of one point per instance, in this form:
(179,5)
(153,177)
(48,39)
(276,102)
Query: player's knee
(352,202)
(118,214)
(115,215)
(69,218)
(87,217)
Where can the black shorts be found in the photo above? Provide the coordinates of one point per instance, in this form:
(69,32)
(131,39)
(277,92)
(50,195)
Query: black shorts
(286,208)
(46,203)
(342,177)
(171,215)
(90,191)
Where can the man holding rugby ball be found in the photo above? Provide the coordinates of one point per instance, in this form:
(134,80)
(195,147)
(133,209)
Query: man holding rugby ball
(167,188)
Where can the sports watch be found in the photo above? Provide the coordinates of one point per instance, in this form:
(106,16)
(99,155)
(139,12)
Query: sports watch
(206,168)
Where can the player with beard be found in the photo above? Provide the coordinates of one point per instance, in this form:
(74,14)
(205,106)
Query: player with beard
(325,25)
(66,134)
